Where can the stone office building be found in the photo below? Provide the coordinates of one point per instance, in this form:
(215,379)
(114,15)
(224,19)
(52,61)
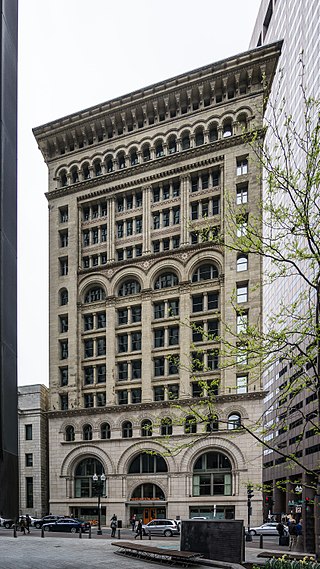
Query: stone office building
(140,293)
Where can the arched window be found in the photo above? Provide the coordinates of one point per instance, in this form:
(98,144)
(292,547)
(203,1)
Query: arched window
(212,424)
(85,172)
(69,433)
(146,153)
(146,428)
(105,431)
(133,157)
(234,421)
(121,160)
(166,280)
(212,475)
(74,175)
(172,145)
(159,150)
(148,492)
(64,297)
(213,133)
(190,425)
(243,122)
(129,287)
(147,463)
(127,430)
(227,129)
(87,432)
(166,426)
(63,179)
(199,138)
(109,165)
(83,478)
(97,168)
(185,141)
(95,294)
(242,263)
(205,273)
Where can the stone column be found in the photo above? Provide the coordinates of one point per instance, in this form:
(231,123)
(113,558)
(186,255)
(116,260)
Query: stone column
(146,220)
(111,249)
(110,358)
(147,368)
(184,332)
(184,221)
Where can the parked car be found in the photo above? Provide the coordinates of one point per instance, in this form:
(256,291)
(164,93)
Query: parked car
(38,523)
(7,522)
(67,524)
(161,527)
(269,528)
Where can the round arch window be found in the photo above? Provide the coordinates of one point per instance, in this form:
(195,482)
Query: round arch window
(234,421)
(205,272)
(95,294)
(146,463)
(83,477)
(212,475)
(129,287)
(147,492)
(166,280)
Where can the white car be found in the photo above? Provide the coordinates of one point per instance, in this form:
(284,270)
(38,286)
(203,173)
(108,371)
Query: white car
(269,528)
(161,527)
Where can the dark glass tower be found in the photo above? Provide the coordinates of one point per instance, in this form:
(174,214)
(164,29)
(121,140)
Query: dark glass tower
(8,259)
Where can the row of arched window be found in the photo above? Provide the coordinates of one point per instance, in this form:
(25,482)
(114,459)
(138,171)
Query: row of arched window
(149,150)
(212,475)
(191,426)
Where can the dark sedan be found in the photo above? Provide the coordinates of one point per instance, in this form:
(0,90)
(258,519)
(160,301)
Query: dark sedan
(67,524)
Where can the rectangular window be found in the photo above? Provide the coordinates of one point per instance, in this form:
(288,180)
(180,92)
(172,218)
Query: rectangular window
(216,206)
(64,267)
(197,303)
(139,225)
(63,376)
(101,320)
(205,209)
(158,393)
(138,250)
(136,369)
(213,329)
(156,194)
(175,242)
(136,314)
(88,375)
(63,324)
(194,238)
(95,236)
(122,343)
(136,395)
(88,348)
(122,371)
(120,255)
(101,399)
(158,335)
(166,244)
(159,366)
(165,218)
(129,251)
(101,374)
(129,200)
(120,204)
(174,336)
(242,194)
(173,307)
(173,391)
(242,293)
(122,316)
(135,341)
(63,211)
(242,227)
(156,221)
(120,229)
(242,383)
(205,181)
(156,246)
(104,233)
(123,397)
(63,238)
(28,432)
(29,459)
(129,227)
(159,309)
(242,322)
(173,366)
(64,402)
(88,400)
(176,216)
(88,322)
(194,211)
(29,492)
(64,350)
(213,300)
(242,166)
(138,199)
(176,189)
(213,360)
(197,390)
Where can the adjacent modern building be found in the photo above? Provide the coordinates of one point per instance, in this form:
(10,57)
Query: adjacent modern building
(33,449)
(297,23)
(142,288)
(8,259)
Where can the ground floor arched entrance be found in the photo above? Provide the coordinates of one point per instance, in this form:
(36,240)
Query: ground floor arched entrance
(147,512)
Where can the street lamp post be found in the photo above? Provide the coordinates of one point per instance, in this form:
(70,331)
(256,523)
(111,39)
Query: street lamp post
(98,485)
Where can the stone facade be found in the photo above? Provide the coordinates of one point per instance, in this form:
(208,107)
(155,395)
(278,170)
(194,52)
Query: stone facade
(141,193)
(33,449)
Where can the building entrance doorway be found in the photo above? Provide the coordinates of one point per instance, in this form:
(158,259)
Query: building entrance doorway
(147,514)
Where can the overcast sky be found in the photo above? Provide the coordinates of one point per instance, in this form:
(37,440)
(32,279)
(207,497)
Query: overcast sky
(74,54)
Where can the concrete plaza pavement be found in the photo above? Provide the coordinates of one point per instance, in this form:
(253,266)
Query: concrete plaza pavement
(55,552)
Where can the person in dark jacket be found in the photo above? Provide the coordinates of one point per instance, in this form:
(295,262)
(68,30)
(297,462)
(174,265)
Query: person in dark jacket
(139,530)
(293,535)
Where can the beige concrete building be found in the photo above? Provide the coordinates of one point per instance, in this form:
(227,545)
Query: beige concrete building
(141,290)
(33,449)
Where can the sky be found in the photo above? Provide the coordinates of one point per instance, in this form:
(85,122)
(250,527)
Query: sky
(74,54)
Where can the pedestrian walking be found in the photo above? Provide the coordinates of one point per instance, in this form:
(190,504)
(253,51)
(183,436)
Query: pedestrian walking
(139,530)
(23,525)
(28,523)
(293,535)
(133,522)
(113,525)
